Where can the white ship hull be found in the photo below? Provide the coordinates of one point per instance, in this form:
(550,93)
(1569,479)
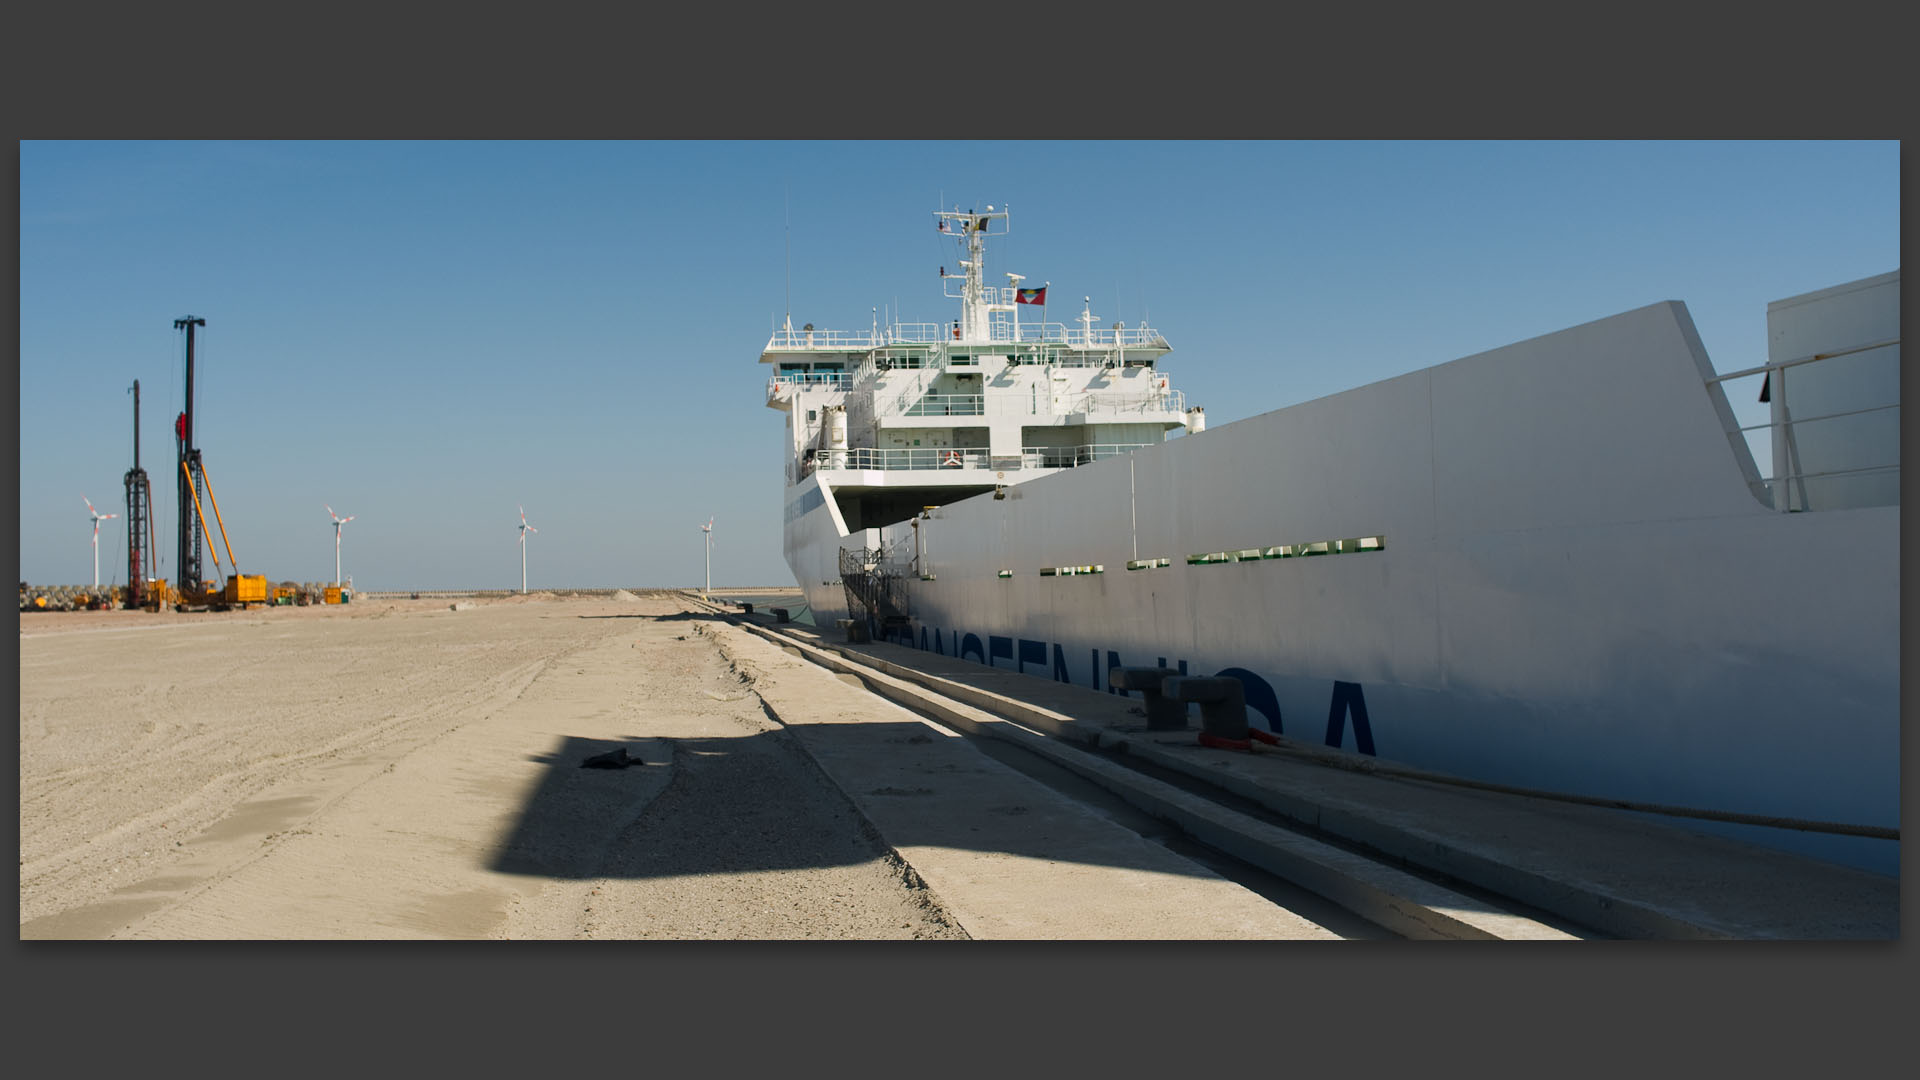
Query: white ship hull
(1579,586)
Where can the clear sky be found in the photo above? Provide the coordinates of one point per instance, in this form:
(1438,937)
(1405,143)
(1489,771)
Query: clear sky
(427,335)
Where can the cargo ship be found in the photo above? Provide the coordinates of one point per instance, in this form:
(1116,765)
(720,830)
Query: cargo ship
(1556,564)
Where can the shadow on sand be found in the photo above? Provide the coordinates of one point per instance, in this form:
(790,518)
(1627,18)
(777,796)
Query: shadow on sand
(698,806)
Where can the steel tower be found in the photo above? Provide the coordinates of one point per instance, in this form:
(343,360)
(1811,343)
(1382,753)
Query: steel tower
(139,517)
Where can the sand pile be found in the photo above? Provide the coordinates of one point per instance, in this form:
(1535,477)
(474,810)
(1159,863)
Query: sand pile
(624,596)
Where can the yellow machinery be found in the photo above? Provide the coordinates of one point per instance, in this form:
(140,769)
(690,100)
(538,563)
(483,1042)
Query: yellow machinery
(244,589)
(284,594)
(333,594)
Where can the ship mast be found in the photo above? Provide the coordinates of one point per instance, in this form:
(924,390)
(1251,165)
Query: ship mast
(974,228)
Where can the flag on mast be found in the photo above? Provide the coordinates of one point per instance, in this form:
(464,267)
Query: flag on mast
(1030,296)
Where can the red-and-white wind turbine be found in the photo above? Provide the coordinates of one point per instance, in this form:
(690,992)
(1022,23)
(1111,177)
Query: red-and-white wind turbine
(707,529)
(524,530)
(98,517)
(337,522)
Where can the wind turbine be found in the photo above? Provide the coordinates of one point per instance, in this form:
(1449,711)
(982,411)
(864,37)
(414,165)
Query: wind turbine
(98,517)
(337,522)
(707,529)
(524,530)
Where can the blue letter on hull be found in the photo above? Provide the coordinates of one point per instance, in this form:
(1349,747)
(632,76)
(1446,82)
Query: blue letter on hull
(1260,696)
(1347,697)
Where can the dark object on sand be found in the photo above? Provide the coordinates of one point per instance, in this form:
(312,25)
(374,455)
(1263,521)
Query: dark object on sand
(612,759)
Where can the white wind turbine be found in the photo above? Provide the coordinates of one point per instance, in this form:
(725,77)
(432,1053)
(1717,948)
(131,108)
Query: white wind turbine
(98,517)
(707,530)
(524,530)
(337,522)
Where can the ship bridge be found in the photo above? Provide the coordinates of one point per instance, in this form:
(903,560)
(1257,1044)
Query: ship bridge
(903,417)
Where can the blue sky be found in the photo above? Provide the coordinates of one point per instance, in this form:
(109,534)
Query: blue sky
(425,335)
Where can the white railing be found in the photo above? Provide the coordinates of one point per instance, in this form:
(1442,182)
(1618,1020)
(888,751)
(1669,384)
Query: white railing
(956,459)
(841,340)
(952,459)
(786,383)
(913,401)
(1788,482)
(1099,403)
(1139,337)
(906,359)
(918,333)
(1001,331)
(1066,457)
(948,405)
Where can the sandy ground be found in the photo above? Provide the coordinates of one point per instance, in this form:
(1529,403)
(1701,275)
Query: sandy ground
(398,769)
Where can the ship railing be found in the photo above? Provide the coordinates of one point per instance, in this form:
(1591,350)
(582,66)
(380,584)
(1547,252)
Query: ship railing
(931,458)
(1851,434)
(1001,331)
(917,333)
(1099,403)
(784,340)
(1045,333)
(961,357)
(1066,457)
(1058,354)
(788,382)
(1142,336)
(914,402)
(948,405)
(905,357)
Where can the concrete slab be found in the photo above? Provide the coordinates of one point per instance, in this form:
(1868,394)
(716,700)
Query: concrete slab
(1614,871)
(1006,855)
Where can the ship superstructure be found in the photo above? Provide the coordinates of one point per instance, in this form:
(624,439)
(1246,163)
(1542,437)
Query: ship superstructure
(886,423)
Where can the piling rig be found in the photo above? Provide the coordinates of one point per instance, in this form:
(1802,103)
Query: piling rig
(192,589)
(188,586)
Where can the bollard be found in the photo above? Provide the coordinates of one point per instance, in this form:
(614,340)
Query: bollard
(746,609)
(1223,707)
(779,614)
(856,630)
(1163,714)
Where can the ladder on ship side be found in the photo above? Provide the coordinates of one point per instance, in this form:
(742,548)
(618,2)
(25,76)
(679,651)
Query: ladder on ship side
(876,591)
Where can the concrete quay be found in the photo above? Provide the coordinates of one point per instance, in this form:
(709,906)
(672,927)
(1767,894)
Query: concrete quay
(1598,869)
